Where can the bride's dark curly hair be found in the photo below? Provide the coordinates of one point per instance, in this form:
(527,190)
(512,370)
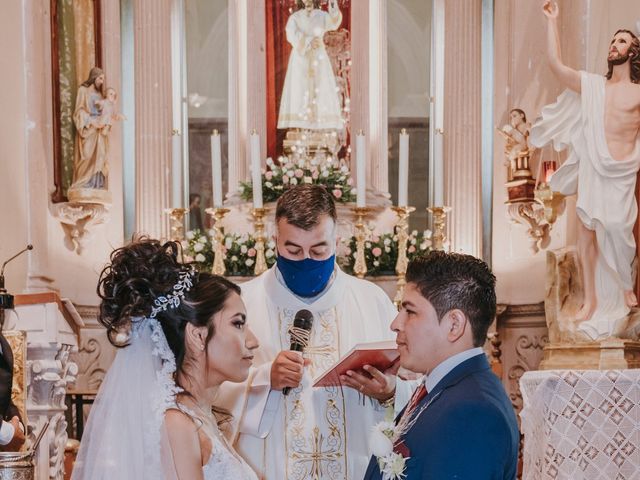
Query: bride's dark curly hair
(142,271)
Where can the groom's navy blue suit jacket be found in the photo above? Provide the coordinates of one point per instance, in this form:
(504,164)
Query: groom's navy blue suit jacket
(468,431)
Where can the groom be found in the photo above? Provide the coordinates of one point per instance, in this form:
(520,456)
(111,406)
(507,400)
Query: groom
(459,423)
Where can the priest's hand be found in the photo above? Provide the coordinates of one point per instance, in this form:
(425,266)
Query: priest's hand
(372,382)
(287,369)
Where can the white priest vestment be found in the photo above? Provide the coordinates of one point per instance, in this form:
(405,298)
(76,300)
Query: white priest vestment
(313,433)
(310,96)
(605,186)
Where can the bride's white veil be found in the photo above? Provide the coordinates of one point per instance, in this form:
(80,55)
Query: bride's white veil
(124,436)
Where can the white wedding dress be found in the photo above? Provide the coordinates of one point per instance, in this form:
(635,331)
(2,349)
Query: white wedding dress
(224,463)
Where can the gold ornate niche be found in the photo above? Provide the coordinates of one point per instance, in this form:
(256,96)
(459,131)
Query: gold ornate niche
(18,341)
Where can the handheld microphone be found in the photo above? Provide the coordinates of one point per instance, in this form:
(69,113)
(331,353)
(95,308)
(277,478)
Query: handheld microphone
(300,332)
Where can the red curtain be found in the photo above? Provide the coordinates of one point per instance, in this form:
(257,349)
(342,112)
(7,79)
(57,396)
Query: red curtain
(278,50)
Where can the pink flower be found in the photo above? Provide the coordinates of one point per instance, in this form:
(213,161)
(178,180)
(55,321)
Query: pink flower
(251,252)
(337,193)
(299,173)
(315,175)
(268,175)
(350,181)
(411,249)
(285,179)
(375,239)
(376,252)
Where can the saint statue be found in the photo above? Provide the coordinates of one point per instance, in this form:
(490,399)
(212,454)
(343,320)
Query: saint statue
(90,166)
(310,97)
(598,118)
(516,148)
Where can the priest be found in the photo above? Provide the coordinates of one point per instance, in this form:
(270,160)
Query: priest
(284,427)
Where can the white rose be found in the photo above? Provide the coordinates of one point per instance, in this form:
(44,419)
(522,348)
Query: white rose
(228,243)
(243,249)
(234,258)
(376,263)
(248,262)
(293,181)
(190,235)
(198,247)
(387,241)
(202,239)
(379,444)
(269,253)
(200,258)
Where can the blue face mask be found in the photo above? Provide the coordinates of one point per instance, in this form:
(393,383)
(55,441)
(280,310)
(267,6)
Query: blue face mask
(308,277)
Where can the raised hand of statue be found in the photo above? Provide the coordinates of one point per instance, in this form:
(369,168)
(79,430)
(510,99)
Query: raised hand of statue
(550,9)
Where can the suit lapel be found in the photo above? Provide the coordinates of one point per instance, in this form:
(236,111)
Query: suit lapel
(7,355)
(466,368)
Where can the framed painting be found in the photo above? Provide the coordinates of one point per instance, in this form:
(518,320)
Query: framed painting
(76,48)
(308,56)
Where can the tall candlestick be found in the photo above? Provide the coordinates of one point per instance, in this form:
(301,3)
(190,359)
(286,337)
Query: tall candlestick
(403,170)
(361,177)
(216,169)
(256,171)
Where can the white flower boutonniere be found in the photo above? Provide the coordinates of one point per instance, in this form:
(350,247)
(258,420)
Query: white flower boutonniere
(392,464)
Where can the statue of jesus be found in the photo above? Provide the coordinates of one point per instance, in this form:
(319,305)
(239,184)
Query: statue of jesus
(598,119)
(310,97)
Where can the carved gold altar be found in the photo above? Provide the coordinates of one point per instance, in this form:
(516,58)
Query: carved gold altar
(18,341)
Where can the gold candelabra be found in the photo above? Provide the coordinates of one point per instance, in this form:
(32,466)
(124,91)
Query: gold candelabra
(217,214)
(261,262)
(176,223)
(439,226)
(402,231)
(360,265)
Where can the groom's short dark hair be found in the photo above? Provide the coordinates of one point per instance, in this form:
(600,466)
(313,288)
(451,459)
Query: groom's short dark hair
(452,281)
(303,206)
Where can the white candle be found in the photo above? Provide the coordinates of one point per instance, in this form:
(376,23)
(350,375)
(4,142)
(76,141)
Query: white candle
(403,170)
(256,171)
(177,197)
(361,177)
(216,169)
(438,193)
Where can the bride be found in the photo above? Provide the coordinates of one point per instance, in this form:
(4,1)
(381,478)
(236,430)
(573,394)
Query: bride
(182,334)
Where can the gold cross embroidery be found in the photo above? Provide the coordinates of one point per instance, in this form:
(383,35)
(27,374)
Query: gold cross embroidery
(317,456)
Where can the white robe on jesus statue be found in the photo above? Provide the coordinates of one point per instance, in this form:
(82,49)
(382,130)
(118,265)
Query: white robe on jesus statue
(605,187)
(310,97)
(313,433)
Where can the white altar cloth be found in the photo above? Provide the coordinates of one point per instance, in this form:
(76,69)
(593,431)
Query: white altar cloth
(581,424)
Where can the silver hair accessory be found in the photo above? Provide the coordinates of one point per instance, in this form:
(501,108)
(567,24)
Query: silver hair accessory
(173,300)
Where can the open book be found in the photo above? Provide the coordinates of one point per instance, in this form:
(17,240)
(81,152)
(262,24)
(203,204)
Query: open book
(381,355)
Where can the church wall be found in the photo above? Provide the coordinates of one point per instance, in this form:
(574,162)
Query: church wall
(26,146)
(522,79)
(13,194)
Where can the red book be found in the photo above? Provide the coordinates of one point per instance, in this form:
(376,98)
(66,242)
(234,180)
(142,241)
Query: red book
(381,355)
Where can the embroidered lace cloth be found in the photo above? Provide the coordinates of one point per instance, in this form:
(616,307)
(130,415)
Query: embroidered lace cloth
(581,424)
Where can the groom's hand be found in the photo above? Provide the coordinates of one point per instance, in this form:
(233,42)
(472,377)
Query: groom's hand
(287,369)
(372,382)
